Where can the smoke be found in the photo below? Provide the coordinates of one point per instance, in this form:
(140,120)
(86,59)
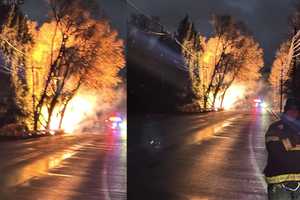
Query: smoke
(104,103)
(241,94)
(256,88)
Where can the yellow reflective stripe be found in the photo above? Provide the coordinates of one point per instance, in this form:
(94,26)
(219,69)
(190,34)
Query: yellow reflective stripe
(297,148)
(287,144)
(272,138)
(283,178)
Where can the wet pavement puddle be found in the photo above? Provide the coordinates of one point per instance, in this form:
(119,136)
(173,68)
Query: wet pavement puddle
(209,132)
(38,167)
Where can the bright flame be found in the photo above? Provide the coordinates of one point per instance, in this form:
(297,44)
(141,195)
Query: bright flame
(207,57)
(264,105)
(79,108)
(233,94)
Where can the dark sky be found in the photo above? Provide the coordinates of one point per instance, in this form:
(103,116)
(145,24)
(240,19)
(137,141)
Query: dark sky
(266,19)
(114,10)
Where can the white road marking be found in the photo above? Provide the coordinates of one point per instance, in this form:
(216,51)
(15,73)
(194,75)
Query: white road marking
(254,163)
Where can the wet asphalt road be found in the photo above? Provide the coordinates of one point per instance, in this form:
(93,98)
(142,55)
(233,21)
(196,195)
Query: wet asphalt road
(79,167)
(214,156)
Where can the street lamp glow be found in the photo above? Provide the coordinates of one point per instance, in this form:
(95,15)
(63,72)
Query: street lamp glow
(264,105)
(123,127)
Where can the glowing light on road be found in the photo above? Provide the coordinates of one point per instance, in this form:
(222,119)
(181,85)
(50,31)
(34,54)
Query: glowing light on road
(264,105)
(39,167)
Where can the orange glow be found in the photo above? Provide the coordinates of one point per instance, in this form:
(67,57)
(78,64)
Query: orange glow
(38,167)
(207,57)
(234,93)
(81,107)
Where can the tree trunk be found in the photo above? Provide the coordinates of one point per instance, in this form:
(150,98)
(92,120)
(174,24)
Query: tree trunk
(50,112)
(62,114)
(212,79)
(60,86)
(223,96)
(67,103)
(227,87)
(220,81)
(52,71)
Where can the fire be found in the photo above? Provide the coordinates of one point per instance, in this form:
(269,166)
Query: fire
(81,107)
(207,57)
(235,92)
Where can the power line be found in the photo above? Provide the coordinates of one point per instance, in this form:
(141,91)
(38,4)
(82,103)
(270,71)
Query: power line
(179,66)
(11,45)
(7,69)
(146,15)
(138,9)
(163,27)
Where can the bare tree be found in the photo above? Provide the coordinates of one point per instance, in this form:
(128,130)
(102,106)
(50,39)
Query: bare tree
(222,59)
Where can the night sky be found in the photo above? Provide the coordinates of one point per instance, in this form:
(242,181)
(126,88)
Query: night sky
(114,10)
(266,19)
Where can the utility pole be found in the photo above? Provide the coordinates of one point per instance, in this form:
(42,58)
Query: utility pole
(292,54)
(281,89)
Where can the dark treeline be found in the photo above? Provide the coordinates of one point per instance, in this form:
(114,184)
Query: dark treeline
(11,13)
(177,71)
(285,74)
(158,80)
(292,85)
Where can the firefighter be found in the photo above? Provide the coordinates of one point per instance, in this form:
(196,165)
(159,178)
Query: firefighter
(282,139)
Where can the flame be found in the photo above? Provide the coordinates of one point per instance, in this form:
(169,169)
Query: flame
(207,57)
(81,107)
(234,93)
